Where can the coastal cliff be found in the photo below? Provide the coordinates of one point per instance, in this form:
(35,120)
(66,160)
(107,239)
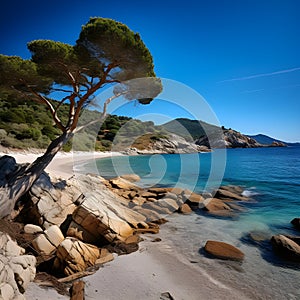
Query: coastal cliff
(169,143)
(232,139)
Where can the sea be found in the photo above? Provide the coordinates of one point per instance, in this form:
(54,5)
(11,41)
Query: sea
(269,176)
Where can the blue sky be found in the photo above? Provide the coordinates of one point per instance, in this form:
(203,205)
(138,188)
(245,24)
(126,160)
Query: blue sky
(243,57)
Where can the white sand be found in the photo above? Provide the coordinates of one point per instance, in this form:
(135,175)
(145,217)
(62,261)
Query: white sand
(145,274)
(63,163)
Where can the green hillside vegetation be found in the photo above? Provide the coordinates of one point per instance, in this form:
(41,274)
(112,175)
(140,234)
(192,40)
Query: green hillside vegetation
(26,125)
(189,129)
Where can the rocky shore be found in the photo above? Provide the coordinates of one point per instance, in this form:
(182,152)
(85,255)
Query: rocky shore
(231,139)
(69,228)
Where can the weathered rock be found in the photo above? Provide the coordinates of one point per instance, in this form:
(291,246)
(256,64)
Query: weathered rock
(150,214)
(48,242)
(42,245)
(104,256)
(77,290)
(169,203)
(192,199)
(132,194)
(77,231)
(102,215)
(123,193)
(296,239)
(296,223)
(223,251)
(171,196)
(176,190)
(131,177)
(170,143)
(7,165)
(121,183)
(163,206)
(125,247)
(148,195)
(54,235)
(51,201)
(32,229)
(216,206)
(16,269)
(227,195)
(206,195)
(158,190)
(166,296)
(7,292)
(138,200)
(236,207)
(74,256)
(286,247)
(133,239)
(151,200)
(258,237)
(101,222)
(227,138)
(232,188)
(185,209)
(157,208)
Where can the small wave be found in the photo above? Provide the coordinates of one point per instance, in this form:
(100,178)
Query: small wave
(250,192)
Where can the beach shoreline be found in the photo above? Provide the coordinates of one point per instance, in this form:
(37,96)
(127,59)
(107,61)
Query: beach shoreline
(63,163)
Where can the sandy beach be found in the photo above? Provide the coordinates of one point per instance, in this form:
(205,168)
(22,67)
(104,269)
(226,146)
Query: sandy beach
(154,269)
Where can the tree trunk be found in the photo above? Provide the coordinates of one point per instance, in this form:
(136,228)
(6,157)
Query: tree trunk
(20,181)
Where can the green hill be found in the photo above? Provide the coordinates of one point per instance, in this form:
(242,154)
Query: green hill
(189,129)
(25,124)
(266,140)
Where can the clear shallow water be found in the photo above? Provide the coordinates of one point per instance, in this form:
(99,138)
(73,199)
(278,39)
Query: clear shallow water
(270,175)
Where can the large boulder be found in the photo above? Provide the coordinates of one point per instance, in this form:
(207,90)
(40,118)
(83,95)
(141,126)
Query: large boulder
(216,207)
(7,166)
(16,269)
(286,247)
(51,201)
(102,215)
(192,199)
(185,209)
(230,195)
(165,206)
(74,256)
(223,251)
(296,223)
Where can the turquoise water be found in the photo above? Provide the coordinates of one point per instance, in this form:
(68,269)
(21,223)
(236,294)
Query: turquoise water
(271,176)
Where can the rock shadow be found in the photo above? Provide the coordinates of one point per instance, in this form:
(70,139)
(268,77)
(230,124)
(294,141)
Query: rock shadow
(264,245)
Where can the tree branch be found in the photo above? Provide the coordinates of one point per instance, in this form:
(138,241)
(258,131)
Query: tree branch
(61,90)
(91,91)
(45,101)
(103,114)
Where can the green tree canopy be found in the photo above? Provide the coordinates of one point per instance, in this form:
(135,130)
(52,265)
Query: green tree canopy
(106,52)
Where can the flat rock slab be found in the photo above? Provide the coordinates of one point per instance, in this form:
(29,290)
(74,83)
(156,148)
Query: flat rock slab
(223,251)
(228,195)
